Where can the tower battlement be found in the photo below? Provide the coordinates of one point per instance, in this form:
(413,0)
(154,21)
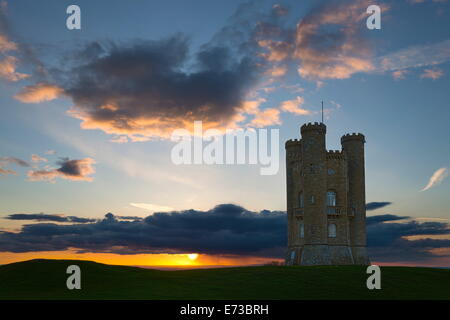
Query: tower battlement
(336,154)
(292,143)
(313,126)
(353,136)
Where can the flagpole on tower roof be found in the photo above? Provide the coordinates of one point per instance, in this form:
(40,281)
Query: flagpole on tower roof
(322,111)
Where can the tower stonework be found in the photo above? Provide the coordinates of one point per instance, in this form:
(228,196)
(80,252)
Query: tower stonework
(325,199)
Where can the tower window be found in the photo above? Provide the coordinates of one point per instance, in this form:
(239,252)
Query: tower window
(300,200)
(332,230)
(302,230)
(331,198)
(312,200)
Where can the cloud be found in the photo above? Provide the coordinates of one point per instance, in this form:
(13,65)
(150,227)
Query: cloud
(422,1)
(6,161)
(38,93)
(8,63)
(276,50)
(151,207)
(415,57)
(387,242)
(36,158)
(266,117)
(437,178)
(13,160)
(6,45)
(294,106)
(8,69)
(5,172)
(328,42)
(152,87)
(432,73)
(225,229)
(376,205)
(383,218)
(278,71)
(48,217)
(75,170)
(399,74)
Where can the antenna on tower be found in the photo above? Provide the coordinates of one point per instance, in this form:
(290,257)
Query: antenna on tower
(322,111)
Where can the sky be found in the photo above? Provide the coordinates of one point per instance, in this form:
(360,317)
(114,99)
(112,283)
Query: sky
(87,117)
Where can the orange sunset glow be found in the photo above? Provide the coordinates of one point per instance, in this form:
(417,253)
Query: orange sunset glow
(192,260)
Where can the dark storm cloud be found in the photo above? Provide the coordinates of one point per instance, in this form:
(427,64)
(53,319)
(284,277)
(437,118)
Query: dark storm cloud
(143,89)
(387,242)
(48,217)
(376,205)
(225,229)
(148,89)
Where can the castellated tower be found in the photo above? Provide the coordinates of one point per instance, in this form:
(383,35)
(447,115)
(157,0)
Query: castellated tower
(325,199)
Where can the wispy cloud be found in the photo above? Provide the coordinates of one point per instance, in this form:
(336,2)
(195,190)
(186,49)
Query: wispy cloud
(6,161)
(8,62)
(415,57)
(336,52)
(432,73)
(37,158)
(151,207)
(399,74)
(437,178)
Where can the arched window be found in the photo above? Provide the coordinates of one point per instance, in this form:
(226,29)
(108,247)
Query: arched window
(331,198)
(300,200)
(302,230)
(332,230)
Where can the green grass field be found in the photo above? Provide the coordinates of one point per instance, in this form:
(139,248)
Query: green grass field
(46,279)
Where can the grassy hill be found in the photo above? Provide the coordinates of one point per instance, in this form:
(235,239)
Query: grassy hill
(46,279)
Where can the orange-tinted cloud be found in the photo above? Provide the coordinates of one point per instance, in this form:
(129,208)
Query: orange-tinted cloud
(8,63)
(5,172)
(294,106)
(148,93)
(432,73)
(399,74)
(75,170)
(8,69)
(333,53)
(6,45)
(38,93)
(37,158)
(277,50)
(266,117)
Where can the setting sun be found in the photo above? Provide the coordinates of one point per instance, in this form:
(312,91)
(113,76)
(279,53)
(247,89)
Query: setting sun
(193,256)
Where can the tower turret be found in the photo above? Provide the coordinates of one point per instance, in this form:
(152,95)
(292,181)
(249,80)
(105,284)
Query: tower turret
(353,147)
(314,176)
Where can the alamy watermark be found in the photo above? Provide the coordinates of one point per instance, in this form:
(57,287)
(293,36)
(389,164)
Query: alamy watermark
(234,146)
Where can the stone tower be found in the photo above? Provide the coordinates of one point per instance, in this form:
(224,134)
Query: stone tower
(325,199)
